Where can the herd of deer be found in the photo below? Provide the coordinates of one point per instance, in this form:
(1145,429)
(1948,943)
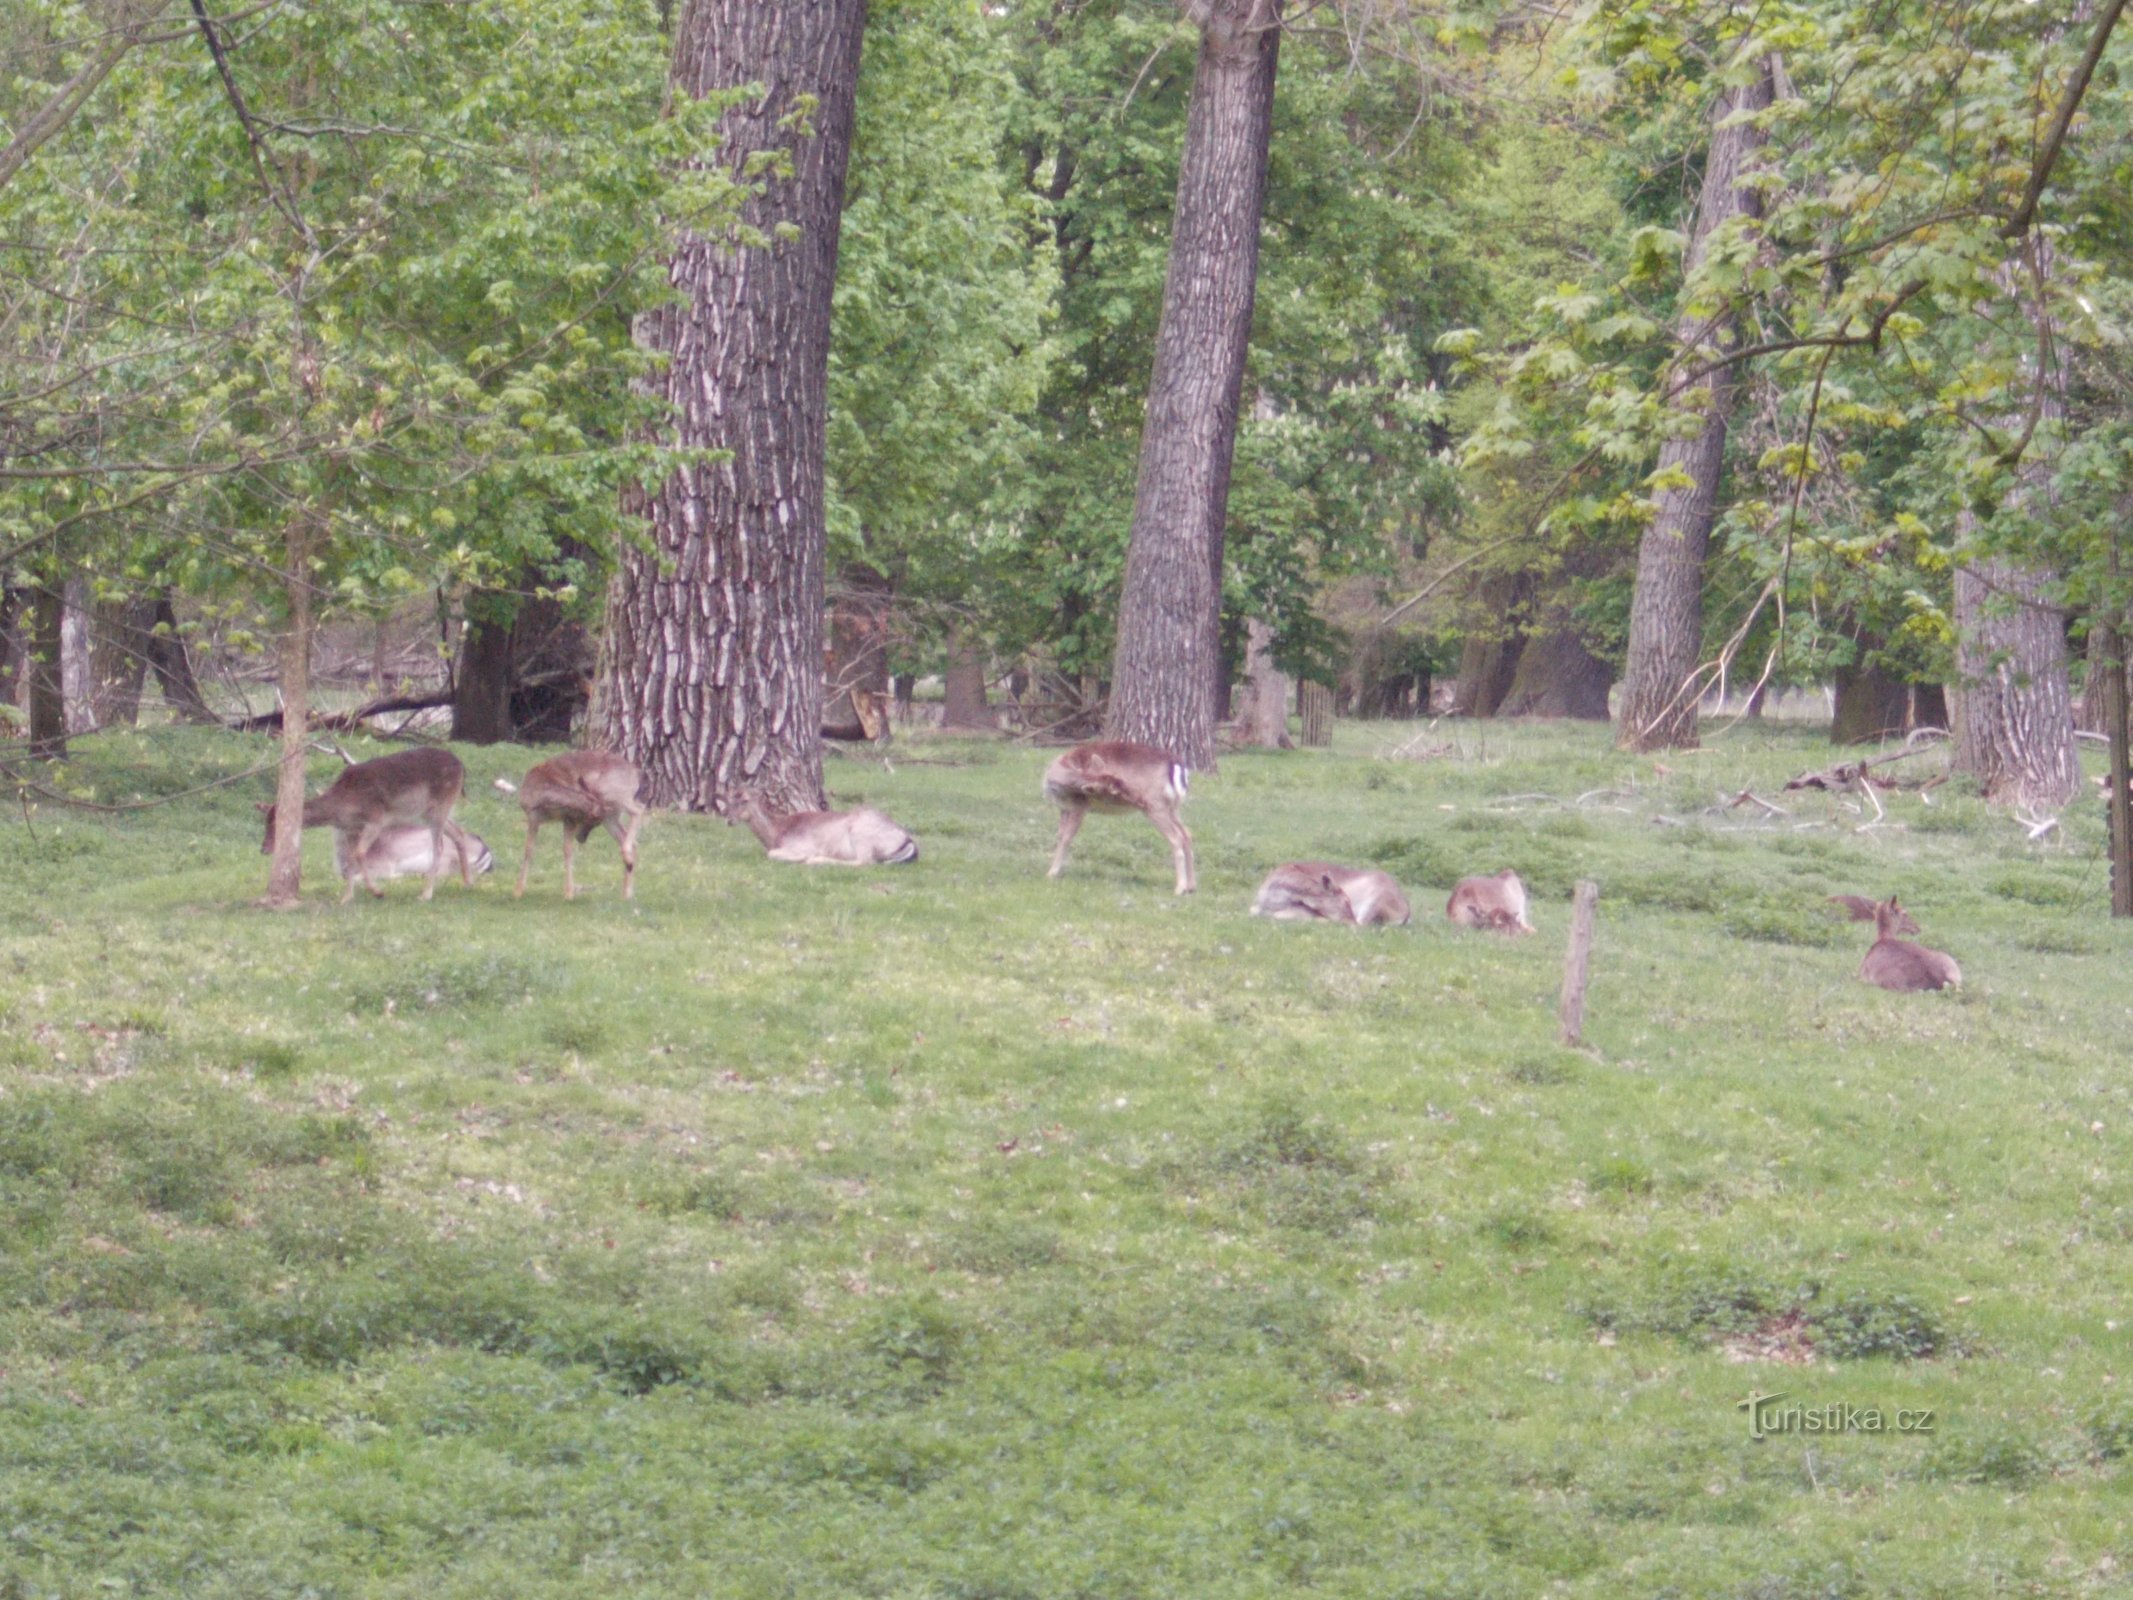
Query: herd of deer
(392,817)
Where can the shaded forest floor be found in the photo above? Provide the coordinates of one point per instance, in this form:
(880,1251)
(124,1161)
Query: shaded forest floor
(942,1231)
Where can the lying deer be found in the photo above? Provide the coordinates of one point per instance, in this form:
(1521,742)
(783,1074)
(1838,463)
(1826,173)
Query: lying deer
(1898,964)
(1861,909)
(1118,775)
(862,838)
(1497,905)
(583,790)
(405,852)
(406,788)
(1298,891)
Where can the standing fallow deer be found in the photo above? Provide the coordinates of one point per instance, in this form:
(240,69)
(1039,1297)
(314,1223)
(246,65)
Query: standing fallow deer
(1299,891)
(861,838)
(408,787)
(1860,909)
(1898,964)
(404,852)
(1496,905)
(583,790)
(1119,775)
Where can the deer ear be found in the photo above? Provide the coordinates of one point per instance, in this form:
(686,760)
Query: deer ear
(262,806)
(1893,906)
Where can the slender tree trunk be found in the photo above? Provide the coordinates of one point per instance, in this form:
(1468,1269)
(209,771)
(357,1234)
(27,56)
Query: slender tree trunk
(714,641)
(48,695)
(1268,725)
(10,645)
(1666,611)
(285,870)
(859,655)
(77,671)
(119,639)
(1170,614)
(2117,776)
(483,677)
(963,684)
(173,667)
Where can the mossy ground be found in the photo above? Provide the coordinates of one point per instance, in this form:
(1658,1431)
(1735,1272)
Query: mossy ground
(944,1231)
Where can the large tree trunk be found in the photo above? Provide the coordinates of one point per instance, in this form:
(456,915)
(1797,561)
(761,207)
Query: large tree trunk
(963,684)
(2015,731)
(1666,611)
(714,646)
(1170,615)
(483,676)
(1871,703)
(1487,666)
(173,667)
(48,695)
(119,640)
(1558,677)
(1267,723)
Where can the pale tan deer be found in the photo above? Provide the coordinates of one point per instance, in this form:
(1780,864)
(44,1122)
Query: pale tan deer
(1299,891)
(861,838)
(405,788)
(583,790)
(1119,775)
(1898,964)
(1495,905)
(1860,909)
(404,852)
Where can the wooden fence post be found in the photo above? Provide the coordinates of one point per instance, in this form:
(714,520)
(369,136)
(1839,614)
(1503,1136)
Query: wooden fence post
(1315,702)
(1577,962)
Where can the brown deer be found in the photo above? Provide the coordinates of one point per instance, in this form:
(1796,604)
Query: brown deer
(407,787)
(1860,909)
(1118,775)
(861,838)
(583,790)
(1298,891)
(1898,964)
(404,852)
(1496,905)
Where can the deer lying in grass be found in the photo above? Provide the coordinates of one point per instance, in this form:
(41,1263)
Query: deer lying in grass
(1496,905)
(406,788)
(583,790)
(404,852)
(1898,964)
(1861,909)
(1119,775)
(862,838)
(1299,891)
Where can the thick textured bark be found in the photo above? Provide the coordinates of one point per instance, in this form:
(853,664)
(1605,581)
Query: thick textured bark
(1267,721)
(963,684)
(482,679)
(858,687)
(1666,612)
(48,696)
(714,648)
(173,667)
(2016,730)
(285,869)
(119,641)
(1872,703)
(1558,677)
(1164,673)
(1487,667)
(2091,714)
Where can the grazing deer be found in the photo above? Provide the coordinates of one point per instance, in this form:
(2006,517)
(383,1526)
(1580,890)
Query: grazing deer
(1898,964)
(405,788)
(862,838)
(1118,775)
(1497,905)
(1301,890)
(1861,909)
(583,790)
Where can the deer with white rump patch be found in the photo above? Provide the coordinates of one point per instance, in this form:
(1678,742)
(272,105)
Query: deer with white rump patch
(583,790)
(1119,775)
(405,852)
(406,788)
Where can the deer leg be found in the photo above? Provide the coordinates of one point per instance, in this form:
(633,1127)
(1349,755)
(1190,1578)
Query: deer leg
(533,826)
(570,850)
(626,836)
(429,884)
(1069,825)
(367,837)
(466,852)
(1171,828)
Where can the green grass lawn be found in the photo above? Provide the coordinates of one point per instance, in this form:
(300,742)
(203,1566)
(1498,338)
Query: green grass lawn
(946,1232)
